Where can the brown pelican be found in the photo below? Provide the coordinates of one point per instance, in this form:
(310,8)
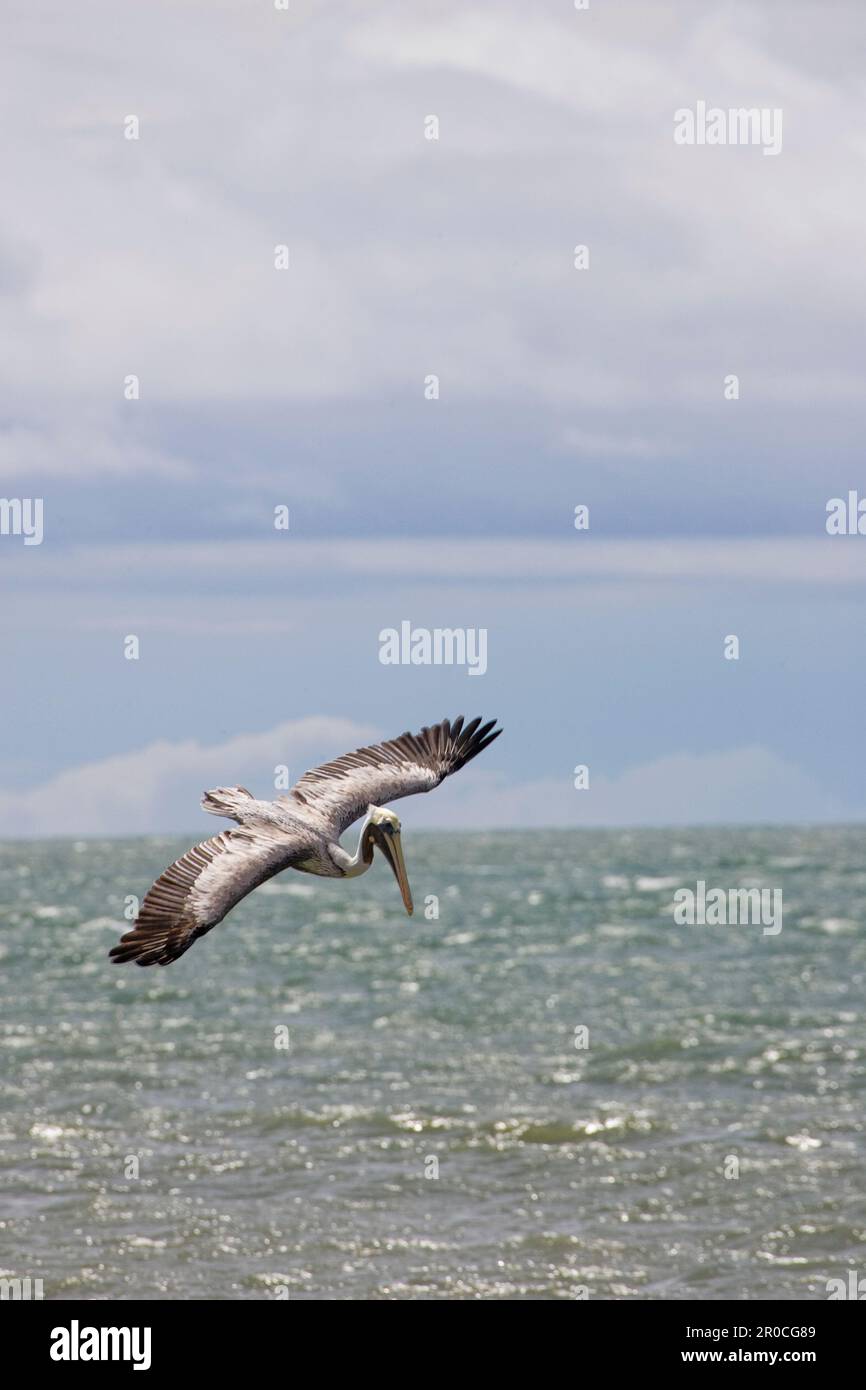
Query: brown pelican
(300,830)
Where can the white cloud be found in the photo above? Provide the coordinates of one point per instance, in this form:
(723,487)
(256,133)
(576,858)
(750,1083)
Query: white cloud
(562,59)
(589,442)
(114,572)
(158,788)
(741,786)
(83,449)
(306,128)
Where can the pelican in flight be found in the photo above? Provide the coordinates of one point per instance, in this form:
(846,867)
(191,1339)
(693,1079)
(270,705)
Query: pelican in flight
(300,830)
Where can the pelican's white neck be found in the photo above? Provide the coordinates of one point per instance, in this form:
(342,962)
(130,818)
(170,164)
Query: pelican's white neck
(353,865)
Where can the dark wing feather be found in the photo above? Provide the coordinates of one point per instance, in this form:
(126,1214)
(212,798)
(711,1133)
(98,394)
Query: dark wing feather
(343,789)
(197,890)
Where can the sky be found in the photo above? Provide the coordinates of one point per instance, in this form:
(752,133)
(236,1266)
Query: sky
(309,388)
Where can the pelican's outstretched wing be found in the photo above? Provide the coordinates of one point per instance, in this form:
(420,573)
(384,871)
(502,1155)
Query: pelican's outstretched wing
(197,890)
(342,790)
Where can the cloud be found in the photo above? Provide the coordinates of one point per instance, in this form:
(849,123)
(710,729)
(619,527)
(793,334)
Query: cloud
(409,256)
(157,789)
(84,449)
(581,442)
(111,573)
(744,786)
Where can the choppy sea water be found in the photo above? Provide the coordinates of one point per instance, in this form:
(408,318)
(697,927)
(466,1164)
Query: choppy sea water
(442,1044)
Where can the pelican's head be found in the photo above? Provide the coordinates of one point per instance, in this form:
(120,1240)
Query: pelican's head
(385,834)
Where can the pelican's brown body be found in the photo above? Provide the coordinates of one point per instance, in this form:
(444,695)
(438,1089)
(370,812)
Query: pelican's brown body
(300,830)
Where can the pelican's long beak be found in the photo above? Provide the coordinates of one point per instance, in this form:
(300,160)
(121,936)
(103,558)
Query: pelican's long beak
(393,851)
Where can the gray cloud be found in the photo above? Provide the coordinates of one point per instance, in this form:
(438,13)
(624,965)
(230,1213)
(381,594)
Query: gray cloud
(558,386)
(410,257)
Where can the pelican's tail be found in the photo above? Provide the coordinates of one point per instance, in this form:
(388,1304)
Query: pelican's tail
(227,801)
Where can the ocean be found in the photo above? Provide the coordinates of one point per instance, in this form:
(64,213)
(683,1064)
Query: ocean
(549,1091)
